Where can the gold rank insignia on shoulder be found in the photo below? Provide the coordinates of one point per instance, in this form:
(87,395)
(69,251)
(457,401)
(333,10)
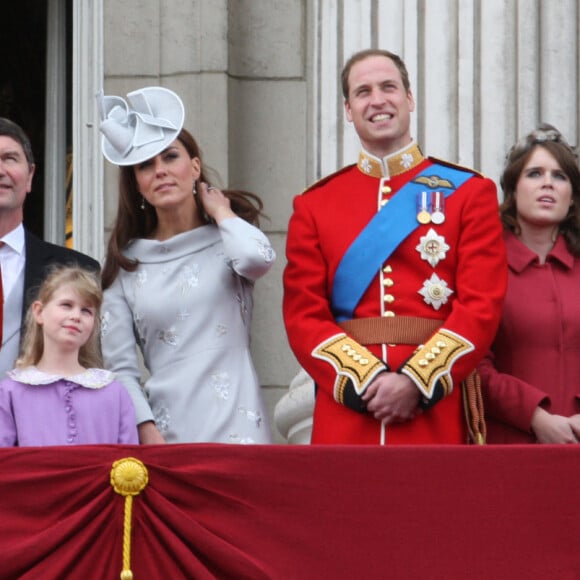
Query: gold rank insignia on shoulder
(350,359)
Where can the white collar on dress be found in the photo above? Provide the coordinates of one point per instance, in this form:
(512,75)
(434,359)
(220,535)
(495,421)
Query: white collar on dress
(90,378)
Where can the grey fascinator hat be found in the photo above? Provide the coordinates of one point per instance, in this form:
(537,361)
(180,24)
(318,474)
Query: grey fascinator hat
(140,127)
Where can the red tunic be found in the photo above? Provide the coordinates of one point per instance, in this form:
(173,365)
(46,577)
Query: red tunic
(326,220)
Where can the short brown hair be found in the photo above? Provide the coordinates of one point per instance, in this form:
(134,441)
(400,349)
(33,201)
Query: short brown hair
(362,55)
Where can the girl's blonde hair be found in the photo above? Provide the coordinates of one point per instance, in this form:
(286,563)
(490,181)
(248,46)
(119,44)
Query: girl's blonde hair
(88,287)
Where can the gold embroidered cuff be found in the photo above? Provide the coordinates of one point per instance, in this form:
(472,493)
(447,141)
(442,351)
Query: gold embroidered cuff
(350,360)
(432,362)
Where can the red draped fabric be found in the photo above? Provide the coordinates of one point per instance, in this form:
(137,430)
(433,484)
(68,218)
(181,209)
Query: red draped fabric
(294,512)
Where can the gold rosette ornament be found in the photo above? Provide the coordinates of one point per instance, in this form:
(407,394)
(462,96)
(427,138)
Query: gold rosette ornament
(129,477)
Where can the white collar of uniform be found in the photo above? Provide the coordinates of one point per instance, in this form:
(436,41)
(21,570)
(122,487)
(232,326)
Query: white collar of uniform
(15,240)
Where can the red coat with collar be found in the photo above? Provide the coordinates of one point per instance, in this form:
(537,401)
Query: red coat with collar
(326,220)
(535,357)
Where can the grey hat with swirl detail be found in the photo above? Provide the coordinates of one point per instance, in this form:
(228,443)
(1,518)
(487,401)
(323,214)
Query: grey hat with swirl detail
(139,128)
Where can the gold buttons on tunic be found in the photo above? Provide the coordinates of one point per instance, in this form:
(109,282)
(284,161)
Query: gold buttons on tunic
(388,298)
(388,282)
(356,356)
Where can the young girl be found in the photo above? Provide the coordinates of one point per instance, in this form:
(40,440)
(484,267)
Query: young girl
(57,395)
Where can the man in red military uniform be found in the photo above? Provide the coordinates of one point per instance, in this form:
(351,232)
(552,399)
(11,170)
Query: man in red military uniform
(395,277)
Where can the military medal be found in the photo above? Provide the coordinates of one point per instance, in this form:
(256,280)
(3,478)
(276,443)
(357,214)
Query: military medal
(438,205)
(423,215)
(435,291)
(432,247)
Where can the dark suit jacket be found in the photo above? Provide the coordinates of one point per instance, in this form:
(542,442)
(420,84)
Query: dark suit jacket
(40,255)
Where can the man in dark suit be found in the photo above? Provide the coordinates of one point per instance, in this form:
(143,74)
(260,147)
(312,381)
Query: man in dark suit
(24,258)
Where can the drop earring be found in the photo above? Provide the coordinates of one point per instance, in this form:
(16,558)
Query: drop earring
(194,189)
(143,203)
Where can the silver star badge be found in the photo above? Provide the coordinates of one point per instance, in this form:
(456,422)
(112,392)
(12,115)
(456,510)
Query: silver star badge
(432,247)
(435,291)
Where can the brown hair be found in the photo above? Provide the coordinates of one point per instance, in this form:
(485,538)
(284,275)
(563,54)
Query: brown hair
(548,137)
(133,222)
(364,54)
(87,285)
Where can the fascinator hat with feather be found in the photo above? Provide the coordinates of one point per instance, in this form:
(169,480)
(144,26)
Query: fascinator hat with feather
(140,127)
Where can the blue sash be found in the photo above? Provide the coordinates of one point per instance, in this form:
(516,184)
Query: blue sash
(383,234)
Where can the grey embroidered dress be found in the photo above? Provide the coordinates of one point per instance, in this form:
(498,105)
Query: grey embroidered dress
(188,308)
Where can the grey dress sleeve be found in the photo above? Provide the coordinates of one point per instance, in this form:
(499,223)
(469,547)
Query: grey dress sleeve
(120,347)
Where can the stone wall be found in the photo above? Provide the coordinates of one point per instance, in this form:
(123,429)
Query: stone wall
(259,79)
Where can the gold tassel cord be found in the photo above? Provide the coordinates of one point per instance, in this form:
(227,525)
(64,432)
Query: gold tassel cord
(474,409)
(129,477)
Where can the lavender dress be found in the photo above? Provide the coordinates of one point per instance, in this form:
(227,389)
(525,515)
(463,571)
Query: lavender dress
(38,409)
(187,309)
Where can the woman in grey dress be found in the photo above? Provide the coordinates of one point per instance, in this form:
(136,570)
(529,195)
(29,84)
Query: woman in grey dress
(181,264)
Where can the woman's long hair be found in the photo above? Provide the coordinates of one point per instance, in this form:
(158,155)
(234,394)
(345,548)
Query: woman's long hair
(134,222)
(87,286)
(551,140)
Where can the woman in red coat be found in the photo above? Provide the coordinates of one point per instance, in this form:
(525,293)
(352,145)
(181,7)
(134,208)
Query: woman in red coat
(531,376)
